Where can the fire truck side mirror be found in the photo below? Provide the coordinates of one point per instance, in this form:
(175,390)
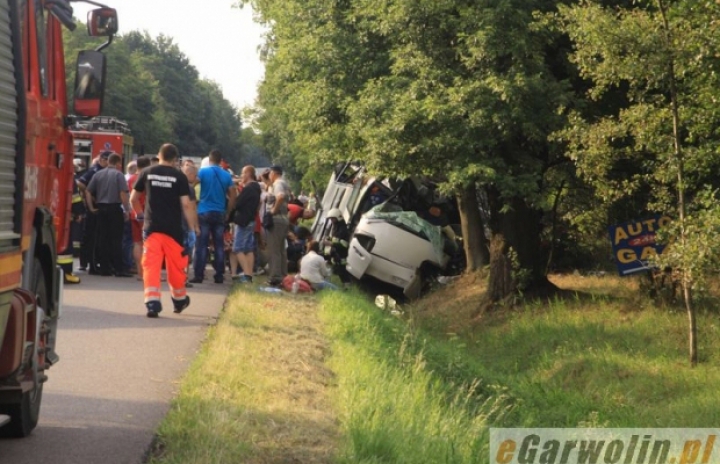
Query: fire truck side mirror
(89,83)
(102,22)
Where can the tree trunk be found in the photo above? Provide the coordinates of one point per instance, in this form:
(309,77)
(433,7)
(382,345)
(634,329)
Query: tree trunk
(518,230)
(473,232)
(682,209)
(500,282)
(692,325)
(553,235)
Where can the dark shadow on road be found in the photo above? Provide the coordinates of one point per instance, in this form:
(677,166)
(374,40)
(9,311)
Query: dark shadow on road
(77,438)
(86,318)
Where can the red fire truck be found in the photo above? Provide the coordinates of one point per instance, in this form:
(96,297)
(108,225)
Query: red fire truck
(102,133)
(36,173)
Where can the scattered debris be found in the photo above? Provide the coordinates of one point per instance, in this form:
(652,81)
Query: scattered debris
(444,280)
(270,290)
(387,303)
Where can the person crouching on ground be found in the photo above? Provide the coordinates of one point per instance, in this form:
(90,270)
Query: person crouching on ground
(314,270)
(167,199)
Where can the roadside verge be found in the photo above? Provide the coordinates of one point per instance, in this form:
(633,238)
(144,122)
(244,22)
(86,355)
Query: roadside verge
(257,391)
(324,379)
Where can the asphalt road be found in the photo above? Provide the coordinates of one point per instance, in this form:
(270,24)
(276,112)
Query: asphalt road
(117,373)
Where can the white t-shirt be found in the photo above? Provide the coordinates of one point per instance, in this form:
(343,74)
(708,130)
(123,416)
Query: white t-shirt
(263,197)
(313,268)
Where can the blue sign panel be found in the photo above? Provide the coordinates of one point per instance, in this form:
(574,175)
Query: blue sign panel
(633,243)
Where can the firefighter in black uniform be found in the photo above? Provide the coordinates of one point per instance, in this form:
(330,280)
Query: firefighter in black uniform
(65,258)
(339,244)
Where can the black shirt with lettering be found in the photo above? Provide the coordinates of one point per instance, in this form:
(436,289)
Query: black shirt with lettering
(163,186)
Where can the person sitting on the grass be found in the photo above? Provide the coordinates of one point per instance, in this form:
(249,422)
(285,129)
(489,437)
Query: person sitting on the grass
(297,246)
(314,270)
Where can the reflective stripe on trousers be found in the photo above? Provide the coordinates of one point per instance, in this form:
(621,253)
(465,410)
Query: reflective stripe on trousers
(156,249)
(66,263)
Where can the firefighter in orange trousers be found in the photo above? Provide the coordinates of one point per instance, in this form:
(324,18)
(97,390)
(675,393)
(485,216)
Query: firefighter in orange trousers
(167,199)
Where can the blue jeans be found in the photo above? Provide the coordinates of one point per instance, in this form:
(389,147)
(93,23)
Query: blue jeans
(324,286)
(244,241)
(190,240)
(212,223)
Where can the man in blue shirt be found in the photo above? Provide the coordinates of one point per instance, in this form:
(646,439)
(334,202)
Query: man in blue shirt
(217,199)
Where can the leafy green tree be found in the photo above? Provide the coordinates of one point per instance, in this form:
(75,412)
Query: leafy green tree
(131,90)
(315,65)
(662,56)
(152,86)
(465,92)
(220,124)
(252,150)
(474,93)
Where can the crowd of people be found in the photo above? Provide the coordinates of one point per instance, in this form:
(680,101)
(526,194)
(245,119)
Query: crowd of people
(165,213)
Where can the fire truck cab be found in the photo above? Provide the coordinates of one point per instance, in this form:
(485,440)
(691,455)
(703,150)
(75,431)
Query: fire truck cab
(101,133)
(36,175)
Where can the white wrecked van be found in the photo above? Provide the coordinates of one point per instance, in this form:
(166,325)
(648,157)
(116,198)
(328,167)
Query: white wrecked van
(396,233)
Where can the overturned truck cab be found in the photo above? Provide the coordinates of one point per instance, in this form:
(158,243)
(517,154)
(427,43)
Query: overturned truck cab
(403,232)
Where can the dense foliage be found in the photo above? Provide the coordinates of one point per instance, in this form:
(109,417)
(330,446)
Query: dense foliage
(152,86)
(555,118)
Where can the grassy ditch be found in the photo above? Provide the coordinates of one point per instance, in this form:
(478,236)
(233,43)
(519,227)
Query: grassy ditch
(424,388)
(393,406)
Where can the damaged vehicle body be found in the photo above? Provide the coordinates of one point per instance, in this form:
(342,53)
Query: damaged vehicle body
(402,232)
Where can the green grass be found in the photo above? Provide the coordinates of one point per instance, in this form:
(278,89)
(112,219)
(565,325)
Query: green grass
(413,394)
(333,379)
(392,406)
(257,391)
(598,360)
(577,362)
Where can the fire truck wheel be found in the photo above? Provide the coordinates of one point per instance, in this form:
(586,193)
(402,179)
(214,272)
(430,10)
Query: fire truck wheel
(25,412)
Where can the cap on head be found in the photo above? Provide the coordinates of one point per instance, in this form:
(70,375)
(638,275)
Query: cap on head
(334,213)
(277,169)
(78,163)
(105,155)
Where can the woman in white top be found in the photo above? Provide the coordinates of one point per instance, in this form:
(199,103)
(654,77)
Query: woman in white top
(313,269)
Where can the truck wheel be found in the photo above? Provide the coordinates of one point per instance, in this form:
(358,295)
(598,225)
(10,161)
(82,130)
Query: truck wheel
(25,412)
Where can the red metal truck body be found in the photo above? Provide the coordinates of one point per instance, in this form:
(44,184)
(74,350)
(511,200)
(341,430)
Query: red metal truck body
(36,176)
